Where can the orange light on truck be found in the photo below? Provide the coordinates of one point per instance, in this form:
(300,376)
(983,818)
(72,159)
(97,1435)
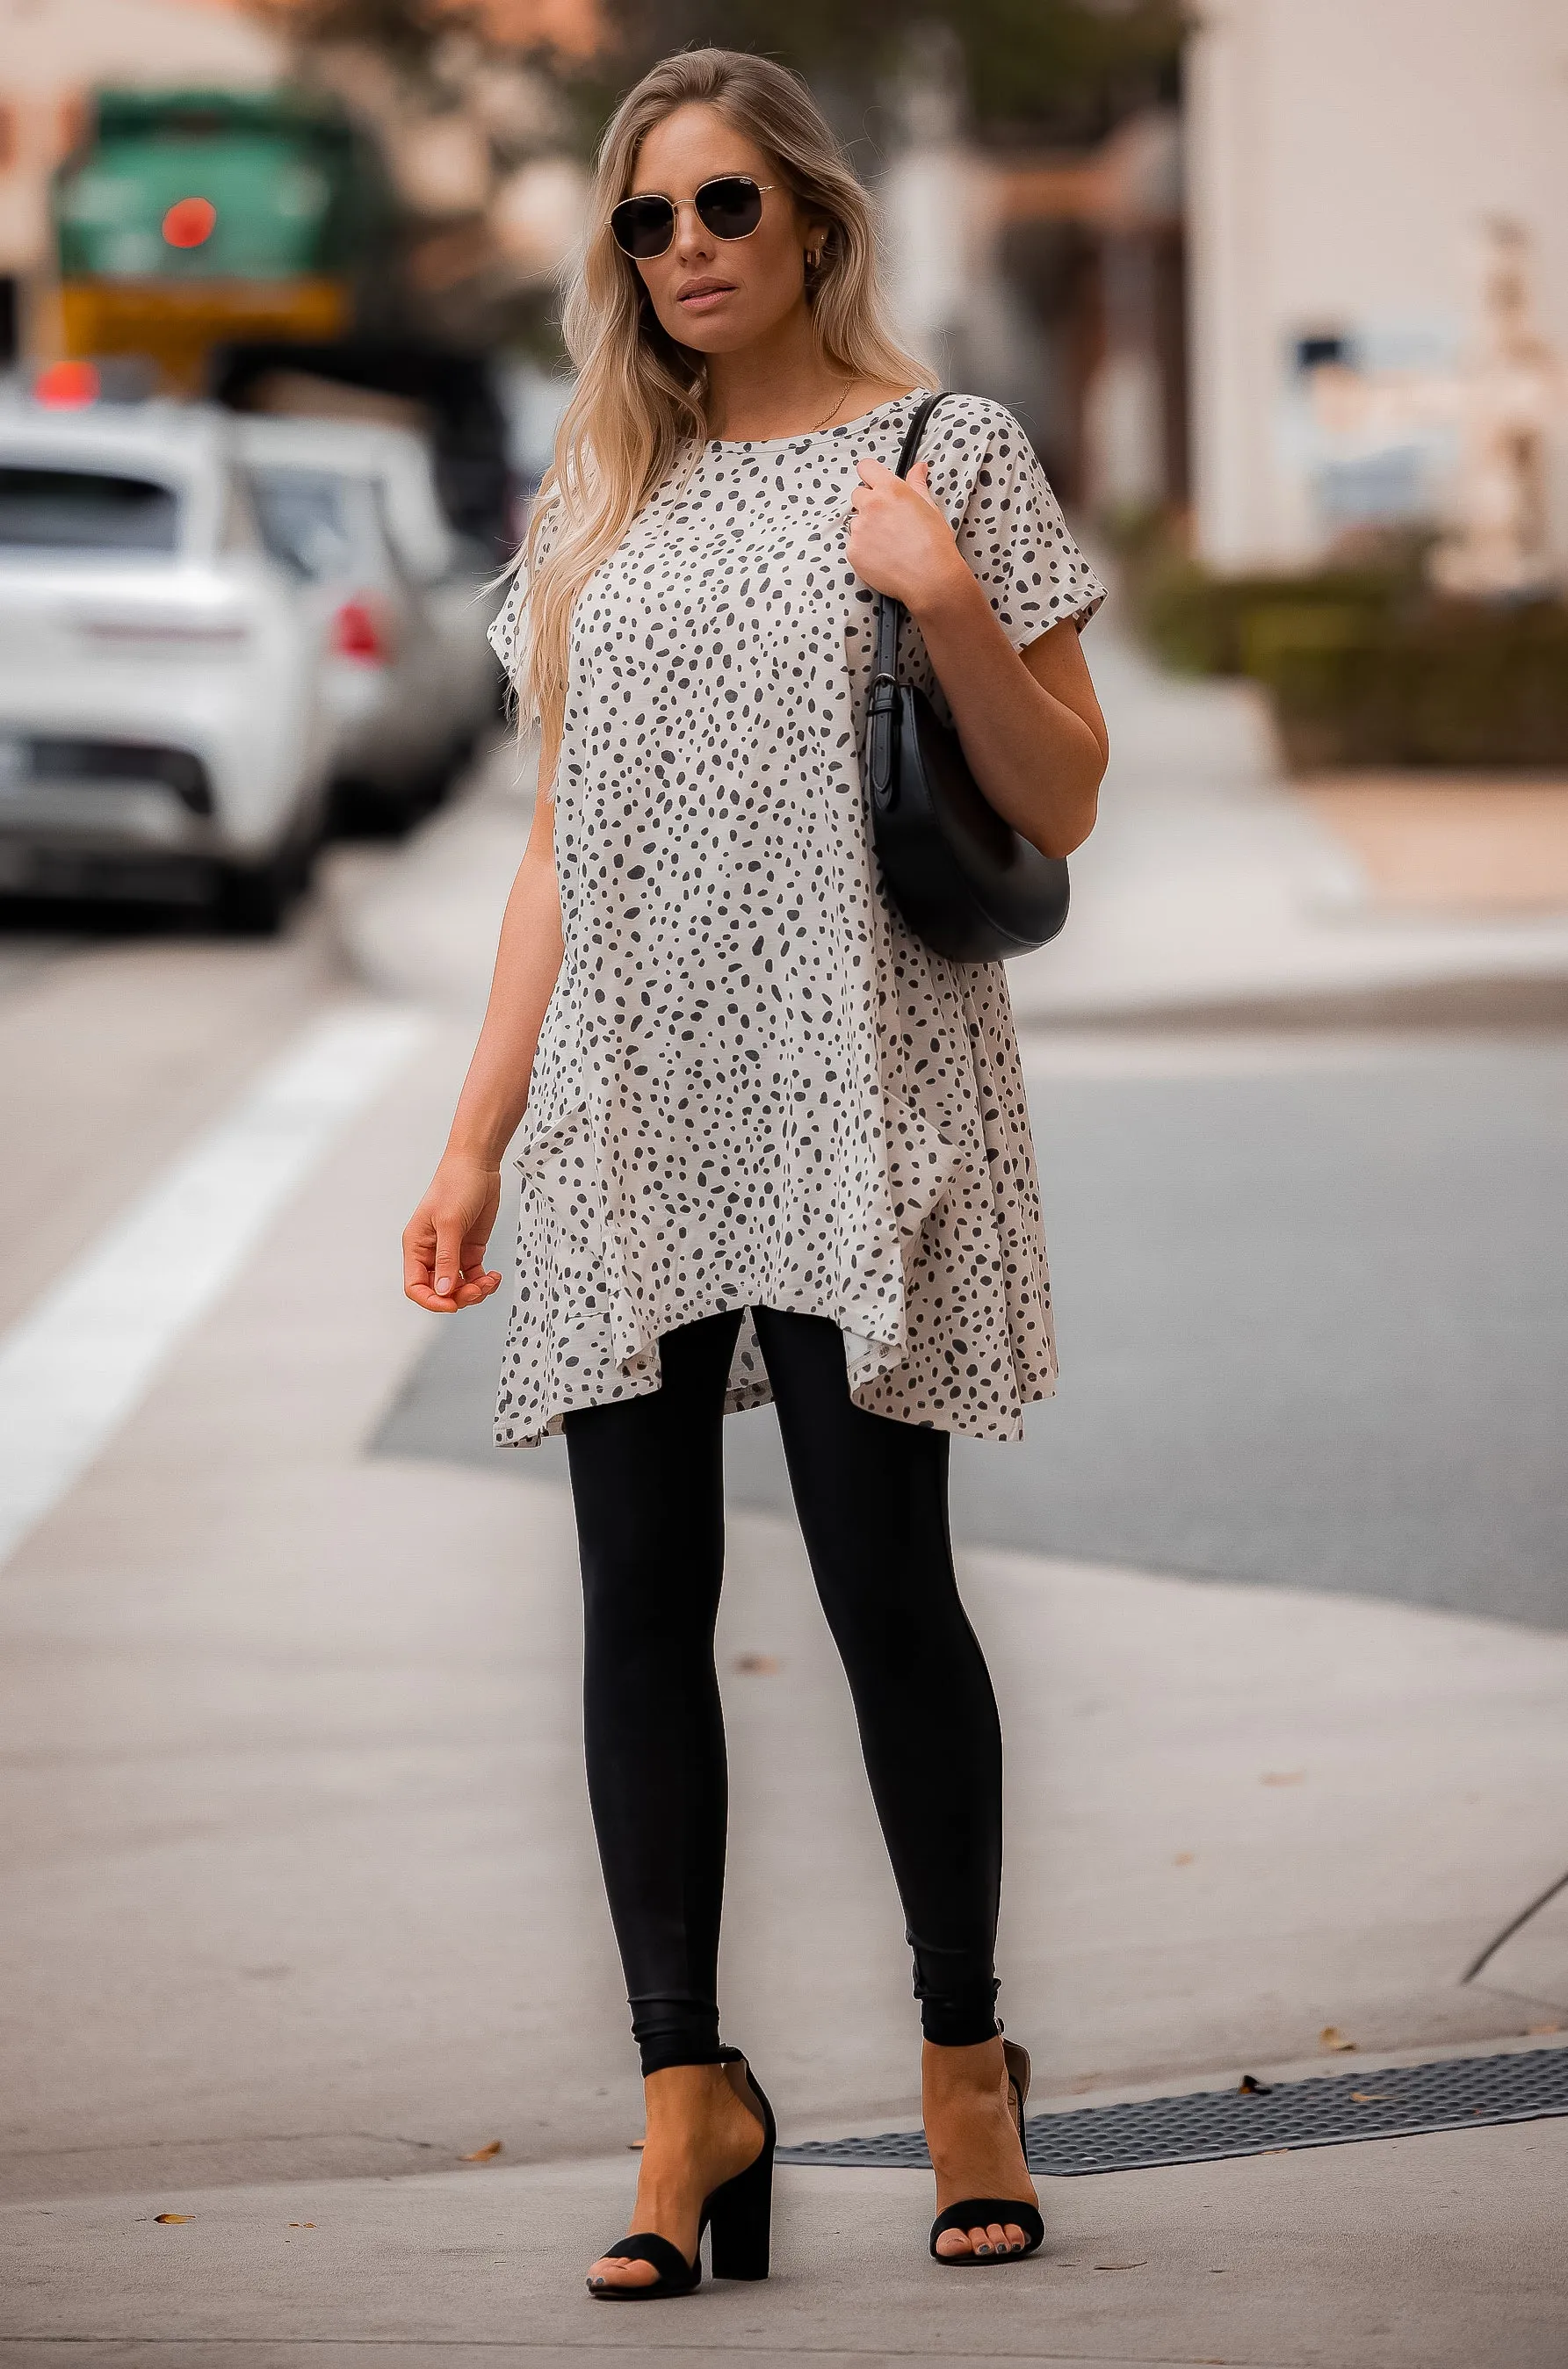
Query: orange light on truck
(190,222)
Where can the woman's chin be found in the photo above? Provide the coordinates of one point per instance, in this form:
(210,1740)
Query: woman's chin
(710,337)
(726,331)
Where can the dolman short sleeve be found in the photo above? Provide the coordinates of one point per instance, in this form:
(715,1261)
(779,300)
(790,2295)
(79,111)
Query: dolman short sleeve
(1008,522)
(507,627)
(509,630)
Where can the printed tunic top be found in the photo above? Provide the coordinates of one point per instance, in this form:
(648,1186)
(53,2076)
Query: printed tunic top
(754,1086)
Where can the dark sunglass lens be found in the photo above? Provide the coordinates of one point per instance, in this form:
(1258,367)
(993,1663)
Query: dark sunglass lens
(642,226)
(731,206)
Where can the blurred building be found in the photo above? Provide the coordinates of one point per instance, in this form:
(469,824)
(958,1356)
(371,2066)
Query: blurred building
(54,55)
(1353,166)
(1053,282)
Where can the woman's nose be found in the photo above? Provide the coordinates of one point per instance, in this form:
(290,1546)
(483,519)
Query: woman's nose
(693,238)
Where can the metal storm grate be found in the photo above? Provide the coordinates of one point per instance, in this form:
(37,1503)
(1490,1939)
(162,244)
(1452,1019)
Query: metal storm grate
(1211,2124)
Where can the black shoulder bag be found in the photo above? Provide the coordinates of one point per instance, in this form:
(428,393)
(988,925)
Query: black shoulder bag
(961,878)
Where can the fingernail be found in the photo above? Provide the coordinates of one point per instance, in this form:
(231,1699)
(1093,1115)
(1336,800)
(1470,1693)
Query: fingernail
(443,1286)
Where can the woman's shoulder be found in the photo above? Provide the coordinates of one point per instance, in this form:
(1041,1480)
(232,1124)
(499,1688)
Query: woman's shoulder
(978,424)
(978,452)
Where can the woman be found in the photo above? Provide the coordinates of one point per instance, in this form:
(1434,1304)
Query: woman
(770,1145)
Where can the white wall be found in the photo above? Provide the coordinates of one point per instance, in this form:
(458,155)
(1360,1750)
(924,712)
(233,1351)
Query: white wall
(1339,153)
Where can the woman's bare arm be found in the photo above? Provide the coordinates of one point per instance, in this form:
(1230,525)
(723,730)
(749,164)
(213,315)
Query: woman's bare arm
(1030,724)
(444,1240)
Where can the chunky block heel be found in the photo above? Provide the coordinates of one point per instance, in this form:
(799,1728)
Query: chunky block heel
(1019,2070)
(739,2215)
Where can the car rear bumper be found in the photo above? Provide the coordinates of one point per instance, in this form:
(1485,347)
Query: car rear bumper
(110,817)
(42,867)
(238,779)
(75,805)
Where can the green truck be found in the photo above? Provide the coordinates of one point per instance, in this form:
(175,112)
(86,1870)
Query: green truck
(190,220)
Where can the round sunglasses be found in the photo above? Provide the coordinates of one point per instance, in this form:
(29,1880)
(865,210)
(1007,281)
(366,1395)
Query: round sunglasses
(730,206)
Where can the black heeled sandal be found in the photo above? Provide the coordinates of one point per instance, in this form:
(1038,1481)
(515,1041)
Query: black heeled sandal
(738,2217)
(980,2211)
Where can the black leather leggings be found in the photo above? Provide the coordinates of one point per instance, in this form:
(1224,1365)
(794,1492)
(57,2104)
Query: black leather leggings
(871,1494)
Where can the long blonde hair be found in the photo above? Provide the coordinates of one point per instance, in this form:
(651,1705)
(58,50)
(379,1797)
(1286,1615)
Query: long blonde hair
(640,397)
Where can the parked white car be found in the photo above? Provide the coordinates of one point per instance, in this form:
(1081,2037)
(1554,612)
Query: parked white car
(352,508)
(163,727)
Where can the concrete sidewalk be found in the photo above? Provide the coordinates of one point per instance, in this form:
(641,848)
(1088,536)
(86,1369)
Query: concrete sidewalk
(1431,2254)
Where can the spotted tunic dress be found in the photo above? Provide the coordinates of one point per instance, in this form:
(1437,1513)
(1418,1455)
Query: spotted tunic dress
(754,1086)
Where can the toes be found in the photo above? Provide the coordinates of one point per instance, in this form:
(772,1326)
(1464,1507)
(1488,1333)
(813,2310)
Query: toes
(985,2244)
(620,2271)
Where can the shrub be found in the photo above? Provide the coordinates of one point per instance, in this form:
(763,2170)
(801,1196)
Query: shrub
(1363,663)
(1448,684)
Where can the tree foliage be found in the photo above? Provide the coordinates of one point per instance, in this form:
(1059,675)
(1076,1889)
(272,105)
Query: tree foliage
(1046,71)
(402,30)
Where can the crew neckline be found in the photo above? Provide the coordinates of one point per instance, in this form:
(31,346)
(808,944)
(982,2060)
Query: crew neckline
(809,435)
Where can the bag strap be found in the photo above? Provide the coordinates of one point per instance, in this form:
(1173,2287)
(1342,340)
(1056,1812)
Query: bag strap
(887,624)
(890,613)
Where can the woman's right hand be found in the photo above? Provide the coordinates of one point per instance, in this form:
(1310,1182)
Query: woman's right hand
(443,1242)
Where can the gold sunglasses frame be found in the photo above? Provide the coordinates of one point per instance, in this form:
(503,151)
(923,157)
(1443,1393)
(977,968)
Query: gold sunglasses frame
(675,205)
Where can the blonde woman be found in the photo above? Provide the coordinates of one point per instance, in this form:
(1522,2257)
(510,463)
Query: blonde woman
(770,1145)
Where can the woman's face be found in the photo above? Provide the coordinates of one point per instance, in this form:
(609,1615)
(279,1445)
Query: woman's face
(717,295)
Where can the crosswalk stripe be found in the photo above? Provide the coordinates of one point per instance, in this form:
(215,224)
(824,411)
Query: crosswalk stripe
(80,1361)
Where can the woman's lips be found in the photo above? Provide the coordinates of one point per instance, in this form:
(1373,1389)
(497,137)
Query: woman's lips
(705,299)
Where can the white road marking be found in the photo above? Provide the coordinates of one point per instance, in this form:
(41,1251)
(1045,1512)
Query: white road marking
(78,1363)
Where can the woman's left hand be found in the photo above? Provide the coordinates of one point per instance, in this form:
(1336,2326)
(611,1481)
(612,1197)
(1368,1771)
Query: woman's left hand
(900,541)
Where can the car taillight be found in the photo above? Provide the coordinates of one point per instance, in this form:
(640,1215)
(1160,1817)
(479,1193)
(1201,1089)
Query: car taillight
(357,635)
(67,386)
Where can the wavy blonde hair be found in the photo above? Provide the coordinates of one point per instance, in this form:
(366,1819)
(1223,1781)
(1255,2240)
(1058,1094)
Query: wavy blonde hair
(640,397)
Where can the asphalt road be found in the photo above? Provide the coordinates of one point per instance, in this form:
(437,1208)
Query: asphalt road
(1313,1317)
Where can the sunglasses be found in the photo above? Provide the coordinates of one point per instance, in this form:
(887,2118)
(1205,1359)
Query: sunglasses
(729,206)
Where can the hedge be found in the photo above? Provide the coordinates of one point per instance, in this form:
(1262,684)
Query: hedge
(1364,664)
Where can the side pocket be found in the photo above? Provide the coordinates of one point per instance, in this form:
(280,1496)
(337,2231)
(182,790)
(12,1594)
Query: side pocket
(539,1156)
(923,1165)
(561,1170)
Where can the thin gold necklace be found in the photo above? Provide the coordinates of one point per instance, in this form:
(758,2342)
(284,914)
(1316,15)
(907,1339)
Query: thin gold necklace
(837,405)
(820,423)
